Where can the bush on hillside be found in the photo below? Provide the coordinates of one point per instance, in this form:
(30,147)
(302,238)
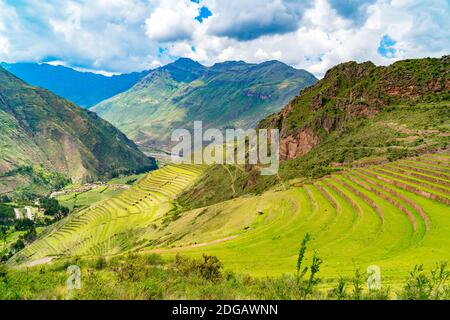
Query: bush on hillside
(423,286)
(210,268)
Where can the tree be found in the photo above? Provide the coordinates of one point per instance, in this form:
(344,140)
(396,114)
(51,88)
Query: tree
(53,208)
(17,246)
(4,231)
(31,235)
(301,257)
(23,224)
(5,199)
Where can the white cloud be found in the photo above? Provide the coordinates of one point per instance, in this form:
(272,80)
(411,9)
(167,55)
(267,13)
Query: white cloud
(131,35)
(8,22)
(4,46)
(325,37)
(87,34)
(172,21)
(251,19)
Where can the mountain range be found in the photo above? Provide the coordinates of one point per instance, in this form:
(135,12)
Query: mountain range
(40,128)
(365,163)
(229,94)
(351,91)
(358,114)
(85,89)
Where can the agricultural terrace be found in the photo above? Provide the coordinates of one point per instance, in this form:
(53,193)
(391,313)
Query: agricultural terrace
(116,224)
(394,215)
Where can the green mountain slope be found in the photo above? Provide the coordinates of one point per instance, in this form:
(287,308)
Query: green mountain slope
(392,215)
(40,128)
(85,89)
(359,114)
(230,94)
(117,224)
(371,210)
(352,91)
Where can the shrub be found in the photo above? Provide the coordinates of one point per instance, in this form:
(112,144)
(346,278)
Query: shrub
(313,281)
(154,260)
(381,294)
(100,264)
(357,282)
(153,290)
(3,272)
(209,268)
(339,292)
(421,286)
(301,256)
(132,269)
(307,287)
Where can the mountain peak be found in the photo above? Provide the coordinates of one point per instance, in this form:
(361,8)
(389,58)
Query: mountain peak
(186,63)
(232,63)
(353,90)
(273,62)
(351,69)
(184,70)
(231,94)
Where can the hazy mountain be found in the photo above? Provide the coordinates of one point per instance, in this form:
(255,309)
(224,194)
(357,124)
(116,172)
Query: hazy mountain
(230,94)
(82,88)
(38,127)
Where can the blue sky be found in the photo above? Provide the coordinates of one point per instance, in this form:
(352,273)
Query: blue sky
(387,47)
(115,36)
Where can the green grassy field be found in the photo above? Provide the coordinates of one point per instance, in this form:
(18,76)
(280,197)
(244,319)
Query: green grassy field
(116,224)
(393,215)
(78,200)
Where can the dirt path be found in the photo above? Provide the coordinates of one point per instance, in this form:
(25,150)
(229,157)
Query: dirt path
(198,245)
(36,263)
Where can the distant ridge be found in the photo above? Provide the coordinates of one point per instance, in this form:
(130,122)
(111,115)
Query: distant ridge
(41,129)
(82,88)
(228,94)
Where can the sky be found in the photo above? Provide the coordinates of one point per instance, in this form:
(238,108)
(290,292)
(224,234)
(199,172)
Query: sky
(118,36)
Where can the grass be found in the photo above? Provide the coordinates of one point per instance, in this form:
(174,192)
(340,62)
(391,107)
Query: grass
(116,224)
(82,200)
(78,200)
(377,215)
(360,141)
(127,179)
(151,277)
(357,220)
